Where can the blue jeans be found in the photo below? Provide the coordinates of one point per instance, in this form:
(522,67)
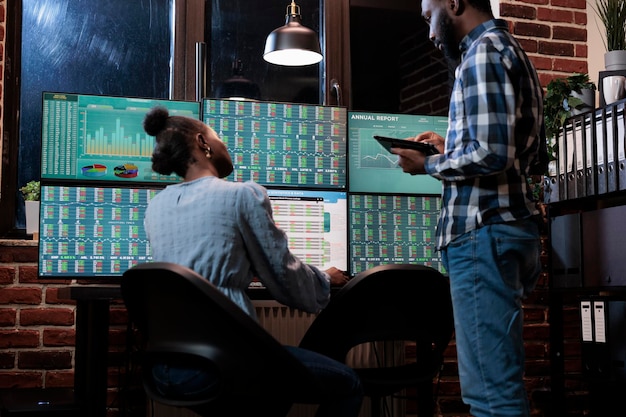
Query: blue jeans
(491,270)
(341,382)
(183,383)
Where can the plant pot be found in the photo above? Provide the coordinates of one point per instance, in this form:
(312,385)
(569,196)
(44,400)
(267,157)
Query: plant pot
(32,219)
(588,97)
(615,60)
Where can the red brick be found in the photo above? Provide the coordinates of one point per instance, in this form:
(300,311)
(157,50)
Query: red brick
(532,30)
(19,338)
(556,48)
(59,337)
(570,4)
(59,379)
(19,254)
(8,317)
(540,2)
(52,297)
(7,275)
(528,45)
(541,62)
(52,316)
(21,380)
(582,51)
(44,359)
(521,12)
(569,34)
(20,295)
(28,275)
(7,360)
(555,15)
(570,65)
(580,18)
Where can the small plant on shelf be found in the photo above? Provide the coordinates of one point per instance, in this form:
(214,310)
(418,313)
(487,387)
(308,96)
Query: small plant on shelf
(559,102)
(31,191)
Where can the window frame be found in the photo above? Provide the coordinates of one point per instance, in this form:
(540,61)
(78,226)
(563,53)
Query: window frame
(188,31)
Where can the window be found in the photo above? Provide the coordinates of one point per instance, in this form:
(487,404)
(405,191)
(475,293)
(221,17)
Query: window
(140,48)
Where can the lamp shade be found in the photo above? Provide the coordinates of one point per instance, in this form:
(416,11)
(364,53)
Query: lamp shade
(292,44)
(238,87)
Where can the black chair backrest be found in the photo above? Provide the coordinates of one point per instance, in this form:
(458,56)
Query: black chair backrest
(385,303)
(185,319)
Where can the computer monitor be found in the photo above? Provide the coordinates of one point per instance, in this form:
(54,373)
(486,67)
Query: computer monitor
(91,138)
(96,232)
(371,168)
(315,222)
(392,229)
(282,144)
(88,232)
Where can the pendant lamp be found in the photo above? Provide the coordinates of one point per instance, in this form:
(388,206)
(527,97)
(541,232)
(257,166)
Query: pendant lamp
(292,44)
(238,87)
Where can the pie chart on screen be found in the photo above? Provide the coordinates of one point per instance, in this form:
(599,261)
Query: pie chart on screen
(95,170)
(126,171)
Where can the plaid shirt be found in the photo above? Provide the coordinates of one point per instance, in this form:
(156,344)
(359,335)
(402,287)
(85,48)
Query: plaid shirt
(495,136)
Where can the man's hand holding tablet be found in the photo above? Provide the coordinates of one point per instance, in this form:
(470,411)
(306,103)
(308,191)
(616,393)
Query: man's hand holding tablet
(388,143)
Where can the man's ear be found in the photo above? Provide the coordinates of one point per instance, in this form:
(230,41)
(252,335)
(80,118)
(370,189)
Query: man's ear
(457,6)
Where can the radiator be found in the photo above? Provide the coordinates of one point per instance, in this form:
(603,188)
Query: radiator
(288,326)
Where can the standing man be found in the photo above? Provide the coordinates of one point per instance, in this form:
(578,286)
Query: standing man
(488,230)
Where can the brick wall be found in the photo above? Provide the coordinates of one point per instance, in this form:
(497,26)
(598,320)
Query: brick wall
(553,33)
(37,328)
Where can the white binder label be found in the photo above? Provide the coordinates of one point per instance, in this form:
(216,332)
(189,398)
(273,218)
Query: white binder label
(587,324)
(599,324)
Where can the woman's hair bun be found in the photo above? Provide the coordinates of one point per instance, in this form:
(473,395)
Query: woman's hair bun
(156,120)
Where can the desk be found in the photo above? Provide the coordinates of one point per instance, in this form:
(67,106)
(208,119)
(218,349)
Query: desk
(92,344)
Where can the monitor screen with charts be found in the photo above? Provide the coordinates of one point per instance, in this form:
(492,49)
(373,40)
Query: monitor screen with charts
(371,168)
(392,228)
(315,223)
(95,232)
(88,232)
(282,144)
(90,138)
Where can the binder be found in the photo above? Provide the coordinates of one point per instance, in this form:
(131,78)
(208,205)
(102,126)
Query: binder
(571,160)
(586,331)
(621,154)
(611,148)
(579,156)
(561,165)
(601,153)
(591,177)
(579,131)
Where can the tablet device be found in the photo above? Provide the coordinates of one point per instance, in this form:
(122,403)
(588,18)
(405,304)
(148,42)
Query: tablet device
(388,143)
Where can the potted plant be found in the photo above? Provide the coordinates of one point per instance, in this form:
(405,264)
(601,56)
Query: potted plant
(32,193)
(612,14)
(565,97)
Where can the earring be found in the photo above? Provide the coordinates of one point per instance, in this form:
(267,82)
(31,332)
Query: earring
(208,152)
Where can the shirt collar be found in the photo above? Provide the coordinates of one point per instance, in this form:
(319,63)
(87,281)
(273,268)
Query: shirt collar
(478,31)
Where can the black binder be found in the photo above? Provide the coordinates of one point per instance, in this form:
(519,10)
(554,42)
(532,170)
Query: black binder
(601,152)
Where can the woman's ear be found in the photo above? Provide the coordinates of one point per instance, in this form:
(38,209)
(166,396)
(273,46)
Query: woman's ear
(201,141)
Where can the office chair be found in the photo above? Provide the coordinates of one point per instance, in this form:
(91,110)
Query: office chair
(389,304)
(184,319)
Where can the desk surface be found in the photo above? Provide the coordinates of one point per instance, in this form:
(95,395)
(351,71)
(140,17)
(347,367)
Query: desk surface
(90,292)
(113,292)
